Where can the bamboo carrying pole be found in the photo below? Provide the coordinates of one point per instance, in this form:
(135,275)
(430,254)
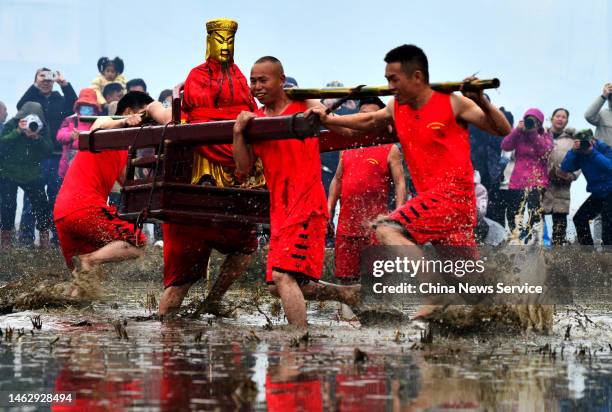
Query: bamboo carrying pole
(339,92)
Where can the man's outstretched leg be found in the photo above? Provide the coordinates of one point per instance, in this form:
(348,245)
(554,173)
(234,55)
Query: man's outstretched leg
(391,234)
(232,268)
(347,294)
(90,237)
(86,277)
(320,290)
(115,251)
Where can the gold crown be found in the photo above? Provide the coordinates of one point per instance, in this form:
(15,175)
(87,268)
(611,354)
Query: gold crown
(221,24)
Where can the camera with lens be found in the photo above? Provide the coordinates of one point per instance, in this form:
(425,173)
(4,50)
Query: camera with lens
(530,122)
(34,123)
(585,136)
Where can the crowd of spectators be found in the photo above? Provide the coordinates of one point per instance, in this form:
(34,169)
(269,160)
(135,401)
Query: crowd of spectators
(520,177)
(529,173)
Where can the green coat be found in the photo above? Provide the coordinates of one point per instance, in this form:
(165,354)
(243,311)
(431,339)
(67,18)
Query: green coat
(20,157)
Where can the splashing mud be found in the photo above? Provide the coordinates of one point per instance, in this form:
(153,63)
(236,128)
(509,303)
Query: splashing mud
(114,354)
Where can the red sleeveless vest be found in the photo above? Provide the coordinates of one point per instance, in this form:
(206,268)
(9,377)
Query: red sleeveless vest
(365,188)
(436,147)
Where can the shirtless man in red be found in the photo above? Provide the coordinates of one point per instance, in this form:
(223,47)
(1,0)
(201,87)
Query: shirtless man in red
(298,208)
(87,227)
(432,129)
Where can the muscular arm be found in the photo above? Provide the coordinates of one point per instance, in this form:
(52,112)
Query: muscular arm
(376,122)
(335,188)
(344,131)
(396,168)
(107,122)
(243,152)
(483,115)
(159,113)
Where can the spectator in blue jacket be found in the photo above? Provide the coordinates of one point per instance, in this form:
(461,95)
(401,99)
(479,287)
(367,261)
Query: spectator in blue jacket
(594,158)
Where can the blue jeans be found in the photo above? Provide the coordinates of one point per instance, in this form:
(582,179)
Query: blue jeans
(50,169)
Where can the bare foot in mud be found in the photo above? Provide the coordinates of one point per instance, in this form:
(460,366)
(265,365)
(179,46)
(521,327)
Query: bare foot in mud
(216,308)
(58,294)
(346,314)
(83,265)
(351,295)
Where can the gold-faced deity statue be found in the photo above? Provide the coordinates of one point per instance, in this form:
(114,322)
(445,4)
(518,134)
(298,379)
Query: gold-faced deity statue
(220,39)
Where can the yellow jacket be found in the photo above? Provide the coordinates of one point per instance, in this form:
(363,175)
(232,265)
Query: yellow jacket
(100,81)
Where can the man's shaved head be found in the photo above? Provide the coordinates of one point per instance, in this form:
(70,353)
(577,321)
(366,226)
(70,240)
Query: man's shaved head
(273,60)
(267,79)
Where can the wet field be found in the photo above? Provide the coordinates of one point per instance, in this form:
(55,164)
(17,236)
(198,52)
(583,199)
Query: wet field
(113,355)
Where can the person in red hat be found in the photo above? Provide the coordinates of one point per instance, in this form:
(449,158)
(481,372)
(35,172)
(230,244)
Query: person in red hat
(68,134)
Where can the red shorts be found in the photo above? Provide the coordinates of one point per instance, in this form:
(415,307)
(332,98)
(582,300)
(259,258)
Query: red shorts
(293,395)
(87,230)
(430,217)
(298,250)
(348,255)
(187,248)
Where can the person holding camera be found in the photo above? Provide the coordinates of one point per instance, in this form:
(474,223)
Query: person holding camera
(594,158)
(25,143)
(56,107)
(532,145)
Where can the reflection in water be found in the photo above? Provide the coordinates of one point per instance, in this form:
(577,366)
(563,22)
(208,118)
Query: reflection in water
(194,366)
(174,376)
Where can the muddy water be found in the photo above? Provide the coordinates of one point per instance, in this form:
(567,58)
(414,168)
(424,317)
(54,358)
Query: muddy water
(246,363)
